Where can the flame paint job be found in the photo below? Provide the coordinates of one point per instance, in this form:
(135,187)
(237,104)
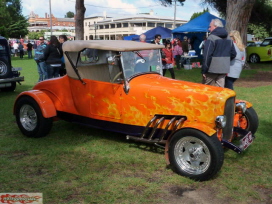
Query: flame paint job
(149,94)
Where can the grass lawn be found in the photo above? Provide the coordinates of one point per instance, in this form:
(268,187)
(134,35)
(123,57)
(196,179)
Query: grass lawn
(79,165)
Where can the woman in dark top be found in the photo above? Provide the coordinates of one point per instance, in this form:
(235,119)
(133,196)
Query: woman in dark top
(62,39)
(52,56)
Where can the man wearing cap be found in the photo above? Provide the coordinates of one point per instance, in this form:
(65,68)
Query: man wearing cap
(218,52)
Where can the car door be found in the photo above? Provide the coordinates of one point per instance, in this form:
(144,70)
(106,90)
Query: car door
(105,102)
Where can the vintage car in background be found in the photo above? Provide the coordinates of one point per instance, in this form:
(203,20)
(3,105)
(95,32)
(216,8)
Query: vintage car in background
(260,52)
(8,75)
(118,86)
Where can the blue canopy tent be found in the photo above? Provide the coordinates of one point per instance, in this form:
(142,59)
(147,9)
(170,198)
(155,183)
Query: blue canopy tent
(164,32)
(195,29)
(130,37)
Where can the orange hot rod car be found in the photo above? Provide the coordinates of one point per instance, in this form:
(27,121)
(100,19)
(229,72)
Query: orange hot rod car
(118,86)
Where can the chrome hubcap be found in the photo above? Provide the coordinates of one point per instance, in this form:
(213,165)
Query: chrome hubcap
(28,117)
(192,155)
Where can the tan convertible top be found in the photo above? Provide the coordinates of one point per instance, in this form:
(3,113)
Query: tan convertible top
(114,45)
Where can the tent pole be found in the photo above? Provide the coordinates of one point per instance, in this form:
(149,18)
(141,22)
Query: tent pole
(175,14)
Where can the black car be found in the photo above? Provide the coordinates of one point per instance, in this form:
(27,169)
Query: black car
(8,75)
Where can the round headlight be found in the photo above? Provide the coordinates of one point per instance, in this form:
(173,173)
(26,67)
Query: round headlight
(221,121)
(241,107)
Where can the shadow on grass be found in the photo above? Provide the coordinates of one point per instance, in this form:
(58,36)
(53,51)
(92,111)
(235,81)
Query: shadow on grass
(85,132)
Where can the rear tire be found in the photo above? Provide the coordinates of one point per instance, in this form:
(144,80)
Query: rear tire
(195,155)
(254,58)
(29,118)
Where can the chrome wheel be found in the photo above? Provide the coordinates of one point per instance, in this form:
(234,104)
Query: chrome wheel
(192,155)
(254,58)
(28,117)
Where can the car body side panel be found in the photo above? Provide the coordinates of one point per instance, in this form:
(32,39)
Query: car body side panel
(108,101)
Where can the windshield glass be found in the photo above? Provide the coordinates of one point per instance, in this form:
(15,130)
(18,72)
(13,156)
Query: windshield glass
(266,42)
(143,61)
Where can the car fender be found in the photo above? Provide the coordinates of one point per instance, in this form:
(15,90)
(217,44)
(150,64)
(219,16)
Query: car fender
(43,100)
(197,126)
(248,104)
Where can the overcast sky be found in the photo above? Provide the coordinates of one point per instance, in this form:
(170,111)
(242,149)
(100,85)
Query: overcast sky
(112,7)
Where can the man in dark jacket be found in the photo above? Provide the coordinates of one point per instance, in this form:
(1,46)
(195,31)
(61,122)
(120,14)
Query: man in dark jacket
(218,52)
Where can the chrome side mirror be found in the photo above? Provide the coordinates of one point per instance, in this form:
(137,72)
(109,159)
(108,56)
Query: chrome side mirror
(111,60)
(126,87)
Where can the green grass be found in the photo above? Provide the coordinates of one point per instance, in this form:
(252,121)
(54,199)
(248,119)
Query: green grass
(76,164)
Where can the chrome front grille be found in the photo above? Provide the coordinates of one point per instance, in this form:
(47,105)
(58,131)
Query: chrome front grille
(229,113)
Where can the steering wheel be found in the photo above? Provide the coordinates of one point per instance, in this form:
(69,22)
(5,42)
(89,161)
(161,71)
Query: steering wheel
(140,60)
(116,77)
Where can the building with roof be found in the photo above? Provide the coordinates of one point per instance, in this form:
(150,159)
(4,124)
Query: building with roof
(60,26)
(37,23)
(108,28)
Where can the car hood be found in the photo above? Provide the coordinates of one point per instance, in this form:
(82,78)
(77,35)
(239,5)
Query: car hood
(174,97)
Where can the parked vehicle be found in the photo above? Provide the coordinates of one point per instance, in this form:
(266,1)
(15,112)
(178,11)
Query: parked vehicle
(118,86)
(260,52)
(8,74)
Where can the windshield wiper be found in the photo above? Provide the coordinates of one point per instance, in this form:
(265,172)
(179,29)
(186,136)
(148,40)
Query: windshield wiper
(139,54)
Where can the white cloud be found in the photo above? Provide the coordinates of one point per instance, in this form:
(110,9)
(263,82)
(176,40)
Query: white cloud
(60,7)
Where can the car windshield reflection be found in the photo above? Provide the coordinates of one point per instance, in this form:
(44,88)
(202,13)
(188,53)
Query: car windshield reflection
(138,62)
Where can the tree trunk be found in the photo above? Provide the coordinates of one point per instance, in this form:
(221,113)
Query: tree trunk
(238,14)
(79,19)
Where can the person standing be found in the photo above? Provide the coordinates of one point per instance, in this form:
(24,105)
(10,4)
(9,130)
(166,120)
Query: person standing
(142,38)
(39,58)
(35,46)
(15,47)
(168,60)
(62,39)
(21,50)
(218,52)
(157,39)
(177,52)
(185,45)
(201,46)
(237,63)
(29,49)
(52,56)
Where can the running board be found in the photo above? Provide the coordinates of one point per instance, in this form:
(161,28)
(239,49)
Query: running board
(149,134)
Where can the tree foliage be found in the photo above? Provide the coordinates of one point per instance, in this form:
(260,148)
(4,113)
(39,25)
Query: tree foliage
(70,14)
(258,30)
(36,35)
(199,13)
(169,2)
(12,23)
(261,12)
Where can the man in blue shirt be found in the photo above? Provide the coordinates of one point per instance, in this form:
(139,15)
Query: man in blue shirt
(39,58)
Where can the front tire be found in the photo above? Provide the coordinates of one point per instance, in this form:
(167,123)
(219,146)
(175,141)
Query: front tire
(195,155)
(29,118)
(250,120)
